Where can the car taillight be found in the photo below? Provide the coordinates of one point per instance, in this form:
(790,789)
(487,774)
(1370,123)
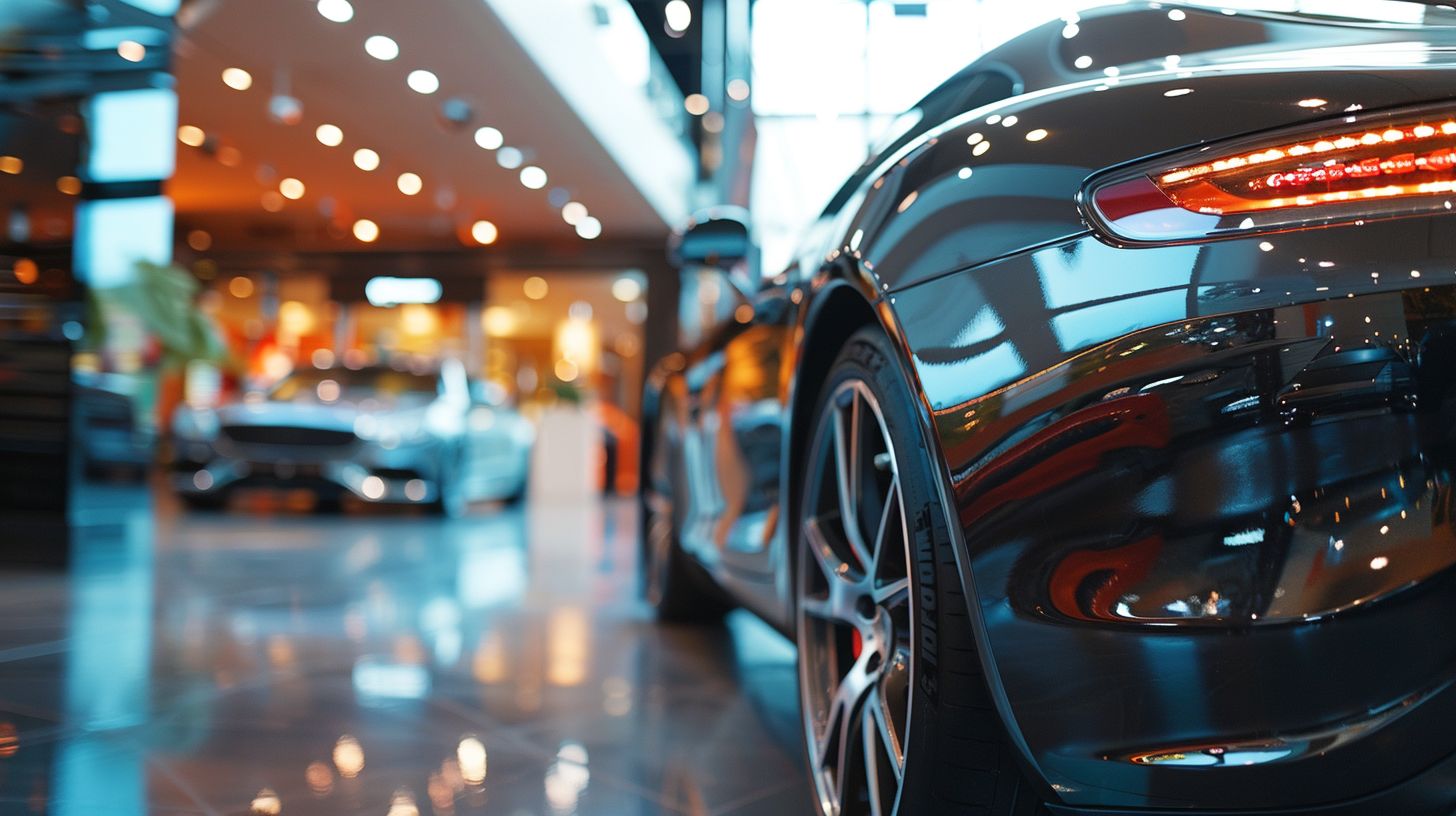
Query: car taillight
(1357,167)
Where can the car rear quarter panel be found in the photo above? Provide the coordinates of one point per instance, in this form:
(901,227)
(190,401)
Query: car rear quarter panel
(1199,586)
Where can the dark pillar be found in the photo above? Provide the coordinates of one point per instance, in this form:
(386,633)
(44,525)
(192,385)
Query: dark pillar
(660,332)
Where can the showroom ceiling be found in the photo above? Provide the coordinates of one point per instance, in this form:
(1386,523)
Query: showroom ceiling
(230,184)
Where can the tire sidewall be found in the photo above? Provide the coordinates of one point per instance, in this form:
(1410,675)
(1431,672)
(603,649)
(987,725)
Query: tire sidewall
(867,357)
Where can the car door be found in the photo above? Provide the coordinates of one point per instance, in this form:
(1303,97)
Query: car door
(734,435)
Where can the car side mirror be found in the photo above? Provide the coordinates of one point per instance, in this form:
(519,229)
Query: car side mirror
(720,238)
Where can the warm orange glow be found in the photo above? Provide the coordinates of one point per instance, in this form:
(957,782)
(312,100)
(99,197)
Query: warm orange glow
(191,135)
(69,185)
(484,232)
(1409,159)
(9,740)
(366,230)
(26,271)
(11,165)
(471,755)
(348,757)
(240,287)
(320,779)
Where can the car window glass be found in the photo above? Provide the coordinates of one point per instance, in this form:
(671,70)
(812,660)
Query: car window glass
(355,386)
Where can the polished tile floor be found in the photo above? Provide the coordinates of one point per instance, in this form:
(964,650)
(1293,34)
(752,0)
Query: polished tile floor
(389,664)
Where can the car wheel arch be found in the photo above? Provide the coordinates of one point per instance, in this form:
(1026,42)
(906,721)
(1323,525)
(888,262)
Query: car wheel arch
(832,316)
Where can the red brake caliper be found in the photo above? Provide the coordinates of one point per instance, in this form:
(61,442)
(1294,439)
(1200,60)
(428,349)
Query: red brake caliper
(857,645)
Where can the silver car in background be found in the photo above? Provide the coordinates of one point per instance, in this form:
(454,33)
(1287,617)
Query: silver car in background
(381,434)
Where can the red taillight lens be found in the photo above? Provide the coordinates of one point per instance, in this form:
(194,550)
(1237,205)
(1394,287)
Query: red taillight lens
(1369,166)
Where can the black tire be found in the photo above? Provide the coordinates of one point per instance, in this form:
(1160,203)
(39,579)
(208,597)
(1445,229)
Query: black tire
(519,494)
(677,588)
(948,744)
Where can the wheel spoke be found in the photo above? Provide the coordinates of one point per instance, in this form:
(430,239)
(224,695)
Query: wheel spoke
(870,739)
(847,467)
(848,701)
(886,736)
(833,570)
(821,608)
(894,593)
(887,514)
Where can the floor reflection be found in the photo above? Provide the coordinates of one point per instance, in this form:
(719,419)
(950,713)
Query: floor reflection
(385,663)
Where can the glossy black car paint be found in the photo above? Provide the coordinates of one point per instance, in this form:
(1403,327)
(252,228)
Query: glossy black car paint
(1197,585)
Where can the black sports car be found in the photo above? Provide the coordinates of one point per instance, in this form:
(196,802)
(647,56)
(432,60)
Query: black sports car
(1094,449)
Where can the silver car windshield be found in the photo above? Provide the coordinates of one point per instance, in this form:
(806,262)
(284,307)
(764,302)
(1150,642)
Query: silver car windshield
(384,385)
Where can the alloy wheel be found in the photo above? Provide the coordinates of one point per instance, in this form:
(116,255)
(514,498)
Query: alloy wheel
(855,617)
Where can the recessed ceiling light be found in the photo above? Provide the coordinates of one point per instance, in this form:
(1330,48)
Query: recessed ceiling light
(533,178)
(191,135)
(509,157)
(696,104)
(366,230)
(410,184)
(329,135)
(237,79)
(589,228)
(381,47)
(291,188)
(489,138)
(338,11)
(366,159)
(422,81)
(573,212)
(626,289)
(484,232)
(131,50)
(679,15)
(535,287)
